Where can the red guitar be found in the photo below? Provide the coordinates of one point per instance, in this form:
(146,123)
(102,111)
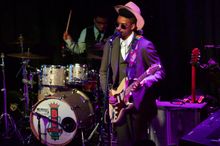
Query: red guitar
(122,94)
(194,61)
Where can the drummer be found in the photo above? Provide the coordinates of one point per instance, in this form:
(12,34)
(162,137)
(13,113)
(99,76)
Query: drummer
(91,40)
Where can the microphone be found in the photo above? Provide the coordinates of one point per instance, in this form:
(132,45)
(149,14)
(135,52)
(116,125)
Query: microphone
(2,57)
(116,34)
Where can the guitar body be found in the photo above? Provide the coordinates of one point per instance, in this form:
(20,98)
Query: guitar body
(118,110)
(122,94)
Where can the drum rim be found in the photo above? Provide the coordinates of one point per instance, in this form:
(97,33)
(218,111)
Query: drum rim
(52,65)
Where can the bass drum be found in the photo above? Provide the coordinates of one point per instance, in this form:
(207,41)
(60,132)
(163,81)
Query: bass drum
(57,118)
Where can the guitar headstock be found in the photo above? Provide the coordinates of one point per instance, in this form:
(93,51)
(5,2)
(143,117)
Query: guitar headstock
(153,68)
(195,56)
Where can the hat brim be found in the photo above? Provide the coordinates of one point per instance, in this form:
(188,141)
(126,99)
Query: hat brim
(140,19)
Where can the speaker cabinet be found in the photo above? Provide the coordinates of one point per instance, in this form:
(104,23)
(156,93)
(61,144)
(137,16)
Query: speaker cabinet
(207,133)
(173,121)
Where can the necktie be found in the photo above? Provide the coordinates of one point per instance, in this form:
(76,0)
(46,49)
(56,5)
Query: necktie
(99,37)
(124,50)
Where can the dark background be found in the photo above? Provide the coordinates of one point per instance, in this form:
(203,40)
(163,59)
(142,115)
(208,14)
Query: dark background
(174,26)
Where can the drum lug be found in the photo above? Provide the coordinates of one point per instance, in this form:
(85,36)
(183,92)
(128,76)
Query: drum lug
(61,97)
(74,91)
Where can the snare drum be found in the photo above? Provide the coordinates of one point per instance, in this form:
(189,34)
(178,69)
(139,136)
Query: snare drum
(52,75)
(60,117)
(77,73)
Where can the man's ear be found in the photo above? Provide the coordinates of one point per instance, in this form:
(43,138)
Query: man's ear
(133,27)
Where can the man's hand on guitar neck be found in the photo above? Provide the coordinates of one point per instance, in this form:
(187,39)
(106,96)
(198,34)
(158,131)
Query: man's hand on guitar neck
(147,82)
(137,85)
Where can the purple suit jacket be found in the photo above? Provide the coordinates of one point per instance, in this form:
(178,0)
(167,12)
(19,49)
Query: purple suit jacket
(146,56)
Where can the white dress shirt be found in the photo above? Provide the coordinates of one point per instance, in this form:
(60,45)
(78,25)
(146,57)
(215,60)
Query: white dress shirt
(125,45)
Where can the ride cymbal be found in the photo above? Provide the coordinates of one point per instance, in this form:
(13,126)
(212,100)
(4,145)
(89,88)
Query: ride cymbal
(26,55)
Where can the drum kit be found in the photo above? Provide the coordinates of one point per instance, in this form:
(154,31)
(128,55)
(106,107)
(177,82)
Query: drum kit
(67,101)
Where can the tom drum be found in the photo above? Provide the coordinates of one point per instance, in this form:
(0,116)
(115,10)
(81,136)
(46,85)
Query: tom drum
(52,75)
(76,73)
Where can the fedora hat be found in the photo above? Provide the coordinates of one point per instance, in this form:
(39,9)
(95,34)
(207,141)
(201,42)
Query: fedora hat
(135,10)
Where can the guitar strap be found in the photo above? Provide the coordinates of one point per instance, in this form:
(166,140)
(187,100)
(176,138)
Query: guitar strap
(133,51)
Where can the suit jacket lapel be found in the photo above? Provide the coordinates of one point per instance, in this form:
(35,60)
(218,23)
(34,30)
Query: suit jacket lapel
(115,58)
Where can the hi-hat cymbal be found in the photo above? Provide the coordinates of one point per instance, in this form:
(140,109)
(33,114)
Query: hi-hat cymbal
(26,55)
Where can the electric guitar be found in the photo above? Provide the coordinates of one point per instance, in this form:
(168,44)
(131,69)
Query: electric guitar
(123,93)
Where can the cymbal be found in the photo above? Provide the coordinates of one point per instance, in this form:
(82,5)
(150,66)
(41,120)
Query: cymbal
(26,55)
(24,42)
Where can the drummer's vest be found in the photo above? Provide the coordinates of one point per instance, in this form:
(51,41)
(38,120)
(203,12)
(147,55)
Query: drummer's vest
(90,38)
(90,45)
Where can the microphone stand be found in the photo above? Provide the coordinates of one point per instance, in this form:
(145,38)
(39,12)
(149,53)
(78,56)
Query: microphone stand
(39,116)
(106,105)
(39,126)
(5,114)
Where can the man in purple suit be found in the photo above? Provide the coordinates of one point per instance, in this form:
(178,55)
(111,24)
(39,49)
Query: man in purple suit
(128,55)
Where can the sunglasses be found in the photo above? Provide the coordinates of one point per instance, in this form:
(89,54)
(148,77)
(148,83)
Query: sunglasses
(122,25)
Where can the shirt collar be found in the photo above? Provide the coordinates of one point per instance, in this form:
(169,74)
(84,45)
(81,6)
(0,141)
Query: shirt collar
(128,40)
(95,30)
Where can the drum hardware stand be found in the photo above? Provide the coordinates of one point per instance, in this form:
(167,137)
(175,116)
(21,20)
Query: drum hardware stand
(26,95)
(21,41)
(26,82)
(27,140)
(92,133)
(90,136)
(83,139)
(5,115)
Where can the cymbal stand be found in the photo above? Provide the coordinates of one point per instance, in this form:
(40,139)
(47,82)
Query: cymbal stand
(5,115)
(25,81)
(21,39)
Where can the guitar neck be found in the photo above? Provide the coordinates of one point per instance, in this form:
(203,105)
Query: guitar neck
(128,90)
